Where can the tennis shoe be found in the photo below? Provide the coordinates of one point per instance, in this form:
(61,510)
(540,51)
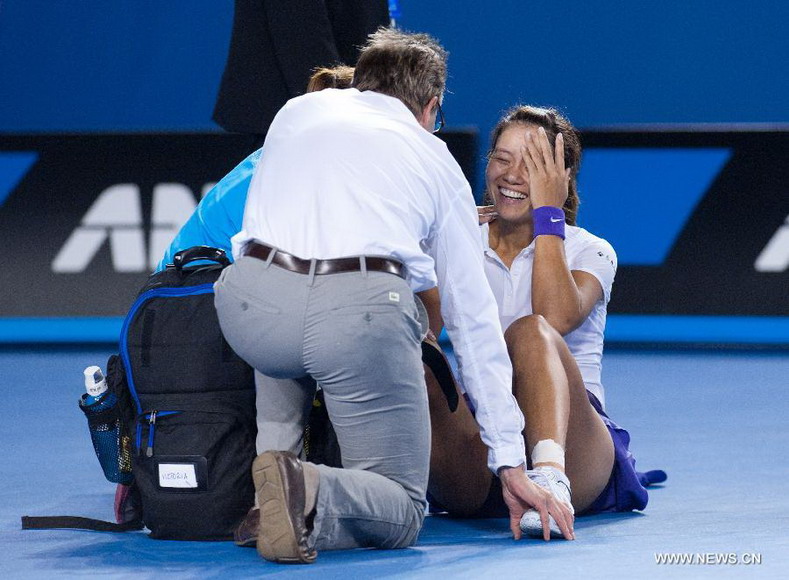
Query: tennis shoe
(555,482)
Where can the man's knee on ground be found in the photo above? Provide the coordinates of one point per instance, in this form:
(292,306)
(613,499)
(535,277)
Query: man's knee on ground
(406,536)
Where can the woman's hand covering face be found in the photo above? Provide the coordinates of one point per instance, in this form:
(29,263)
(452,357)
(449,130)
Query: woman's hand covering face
(548,177)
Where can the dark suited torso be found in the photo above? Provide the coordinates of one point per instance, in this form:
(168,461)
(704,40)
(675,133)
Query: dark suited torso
(276,45)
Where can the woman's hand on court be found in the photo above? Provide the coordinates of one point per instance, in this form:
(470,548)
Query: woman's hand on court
(521,494)
(548,177)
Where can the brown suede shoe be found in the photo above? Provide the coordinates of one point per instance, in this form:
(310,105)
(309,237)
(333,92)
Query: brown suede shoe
(246,534)
(279,485)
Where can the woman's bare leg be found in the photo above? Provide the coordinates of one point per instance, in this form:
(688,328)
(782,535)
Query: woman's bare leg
(459,477)
(552,396)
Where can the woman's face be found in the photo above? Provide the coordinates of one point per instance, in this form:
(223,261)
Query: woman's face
(506,177)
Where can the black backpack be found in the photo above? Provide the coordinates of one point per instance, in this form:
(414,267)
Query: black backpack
(193,403)
(180,406)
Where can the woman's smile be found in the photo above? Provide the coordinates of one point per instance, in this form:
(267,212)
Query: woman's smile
(510,194)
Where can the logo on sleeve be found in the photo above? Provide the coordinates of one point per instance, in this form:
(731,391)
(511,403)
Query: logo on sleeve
(606,257)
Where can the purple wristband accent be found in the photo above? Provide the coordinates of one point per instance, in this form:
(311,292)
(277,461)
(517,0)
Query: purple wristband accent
(548,221)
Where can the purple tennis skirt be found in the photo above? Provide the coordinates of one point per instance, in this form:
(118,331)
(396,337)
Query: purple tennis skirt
(626,489)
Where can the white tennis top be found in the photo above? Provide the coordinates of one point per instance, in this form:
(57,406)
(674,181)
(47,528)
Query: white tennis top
(512,287)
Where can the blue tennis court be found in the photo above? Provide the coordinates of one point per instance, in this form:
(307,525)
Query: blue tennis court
(714,420)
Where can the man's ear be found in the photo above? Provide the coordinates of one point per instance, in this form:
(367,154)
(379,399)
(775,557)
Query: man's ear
(426,118)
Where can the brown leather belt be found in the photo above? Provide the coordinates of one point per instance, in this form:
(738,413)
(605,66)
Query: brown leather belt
(333,266)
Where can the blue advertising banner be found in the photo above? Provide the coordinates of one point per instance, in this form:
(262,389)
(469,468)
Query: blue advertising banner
(698,220)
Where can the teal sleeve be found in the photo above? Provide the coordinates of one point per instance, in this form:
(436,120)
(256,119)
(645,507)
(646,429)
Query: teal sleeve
(219,214)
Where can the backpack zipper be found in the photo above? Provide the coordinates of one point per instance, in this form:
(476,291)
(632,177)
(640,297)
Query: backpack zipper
(151,418)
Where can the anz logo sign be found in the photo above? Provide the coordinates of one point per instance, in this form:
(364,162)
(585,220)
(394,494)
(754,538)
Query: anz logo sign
(775,255)
(116,218)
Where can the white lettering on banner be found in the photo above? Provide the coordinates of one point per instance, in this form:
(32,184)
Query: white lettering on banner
(116,215)
(181,475)
(775,255)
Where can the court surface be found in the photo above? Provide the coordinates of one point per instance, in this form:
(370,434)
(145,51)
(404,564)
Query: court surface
(717,422)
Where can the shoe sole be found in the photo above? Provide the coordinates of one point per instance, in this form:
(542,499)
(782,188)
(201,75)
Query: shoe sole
(532,527)
(248,543)
(276,539)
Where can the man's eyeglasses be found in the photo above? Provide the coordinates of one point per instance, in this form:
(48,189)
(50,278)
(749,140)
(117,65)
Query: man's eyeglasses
(439,119)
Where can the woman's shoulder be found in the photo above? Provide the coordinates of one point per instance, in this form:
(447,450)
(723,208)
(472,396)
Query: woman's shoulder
(582,238)
(580,243)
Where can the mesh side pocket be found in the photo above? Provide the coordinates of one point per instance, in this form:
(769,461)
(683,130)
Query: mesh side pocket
(111,444)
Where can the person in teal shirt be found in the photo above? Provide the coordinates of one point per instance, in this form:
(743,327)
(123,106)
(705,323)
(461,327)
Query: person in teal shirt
(218,216)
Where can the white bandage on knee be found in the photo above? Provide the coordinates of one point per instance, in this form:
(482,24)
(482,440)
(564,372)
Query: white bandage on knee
(548,451)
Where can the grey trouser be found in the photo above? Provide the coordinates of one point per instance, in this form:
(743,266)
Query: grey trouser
(358,335)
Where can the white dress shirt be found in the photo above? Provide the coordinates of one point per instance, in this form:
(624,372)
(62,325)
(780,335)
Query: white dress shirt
(348,173)
(512,288)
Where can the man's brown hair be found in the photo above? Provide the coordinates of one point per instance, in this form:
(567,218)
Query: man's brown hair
(410,67)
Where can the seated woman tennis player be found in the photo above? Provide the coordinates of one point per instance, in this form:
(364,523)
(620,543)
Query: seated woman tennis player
(552,281)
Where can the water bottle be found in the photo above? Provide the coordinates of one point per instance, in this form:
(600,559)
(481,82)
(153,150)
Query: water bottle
(104,422)
(95,385)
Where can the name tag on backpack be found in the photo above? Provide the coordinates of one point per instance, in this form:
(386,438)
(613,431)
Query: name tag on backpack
(183,473)
(180,475)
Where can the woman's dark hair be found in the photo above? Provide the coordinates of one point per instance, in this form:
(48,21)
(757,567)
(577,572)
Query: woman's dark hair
(553,123)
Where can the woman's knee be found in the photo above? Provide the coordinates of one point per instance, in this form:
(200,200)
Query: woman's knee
(530,330)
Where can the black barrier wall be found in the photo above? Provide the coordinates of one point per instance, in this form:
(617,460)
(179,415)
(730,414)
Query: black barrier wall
(86,218)
(85,223)
(698,220)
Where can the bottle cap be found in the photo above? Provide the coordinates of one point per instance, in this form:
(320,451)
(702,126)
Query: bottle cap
(95,383)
